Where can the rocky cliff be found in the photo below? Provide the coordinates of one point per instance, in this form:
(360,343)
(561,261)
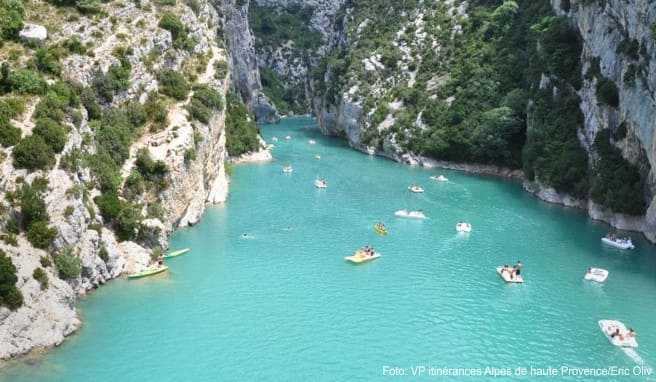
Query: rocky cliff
(187,141)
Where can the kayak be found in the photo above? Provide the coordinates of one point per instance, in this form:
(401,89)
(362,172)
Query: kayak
(148,272)
(597,274)
(608,327)
(359,257)
(177,253)
(506,277)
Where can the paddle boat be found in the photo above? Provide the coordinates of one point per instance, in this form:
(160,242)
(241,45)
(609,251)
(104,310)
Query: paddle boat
(312,142)
(410,214)
(361,256)
(317,156)
(416,189)
(320,183)
(618,334)
(380,229)
(596,274)
(618,242)
(289,137)
(177,253)
(507,275)
(274,139)
(440,178)
(463,227)
(149,272)
(287,169)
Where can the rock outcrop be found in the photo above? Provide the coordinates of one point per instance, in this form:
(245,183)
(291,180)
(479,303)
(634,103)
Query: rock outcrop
(193,181)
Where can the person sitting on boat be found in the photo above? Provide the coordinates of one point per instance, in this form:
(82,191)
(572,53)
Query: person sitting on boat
(617,334)
(517,269)
(160,260)
(631,333)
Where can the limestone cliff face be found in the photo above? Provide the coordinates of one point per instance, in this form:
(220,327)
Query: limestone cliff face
(241,48)
(619,35)
(194,182)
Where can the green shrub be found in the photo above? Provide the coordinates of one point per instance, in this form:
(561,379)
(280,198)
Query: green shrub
(153,171)
(109,204)
(105,171)
(173,84)
(47,61)
(616,183)
(40,234)
(103,254)
(179,33)
(45,261)
(33,153)
(32,205)
(189,155)
(198,111)
(128,222)
(11,107)
(26,81)
(116,79)
(88,6)
(220,69)
(68,265)
(74,45)
(11,18)
(208,96)
(9,135)
(53,134)
(90,102)
(10,296)
(41,276)
(241,131)
(607,92)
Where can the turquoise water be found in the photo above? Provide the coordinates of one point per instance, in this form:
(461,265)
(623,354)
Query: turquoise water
(284,305)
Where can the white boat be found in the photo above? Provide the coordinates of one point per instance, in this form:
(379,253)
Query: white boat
(371,150)
(317,156)
(288,137)
(608,327)
(618,242)
(410,214)
(416,189)
(287,169)
(360,257)
(320,183)
(463,227)
(274,139)
(312,142)
(506,275)
(596,274)
(440,178)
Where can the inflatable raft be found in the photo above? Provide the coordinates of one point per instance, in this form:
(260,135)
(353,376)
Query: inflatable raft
(440,178)
(287,169)
(410,214)
(416,189)
(320,183)
(360,257)
(505,275)
(608,327)
(177,253)
(596,274)
(148,272)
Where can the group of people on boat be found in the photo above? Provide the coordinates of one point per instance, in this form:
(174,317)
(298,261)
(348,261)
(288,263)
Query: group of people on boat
(623,336)
(367,250)
(513,271)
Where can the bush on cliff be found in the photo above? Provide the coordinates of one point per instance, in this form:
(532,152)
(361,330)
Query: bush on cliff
(241,130)
(40,234)
(616,183)
(12,13)
(173,84)
(33,153)
(10,296)
(9,134)
(41,276)
(68,265)
(53,133)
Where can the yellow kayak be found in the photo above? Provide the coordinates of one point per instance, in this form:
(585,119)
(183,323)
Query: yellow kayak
(148,272)
(177,253)
(380,229)
(360,257)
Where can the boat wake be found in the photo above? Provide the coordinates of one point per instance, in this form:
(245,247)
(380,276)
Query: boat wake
(633,354)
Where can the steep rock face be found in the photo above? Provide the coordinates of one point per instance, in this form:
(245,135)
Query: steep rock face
(193,182)
(619,35)
(244,68)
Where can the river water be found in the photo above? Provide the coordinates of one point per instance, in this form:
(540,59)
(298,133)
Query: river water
(282,304)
